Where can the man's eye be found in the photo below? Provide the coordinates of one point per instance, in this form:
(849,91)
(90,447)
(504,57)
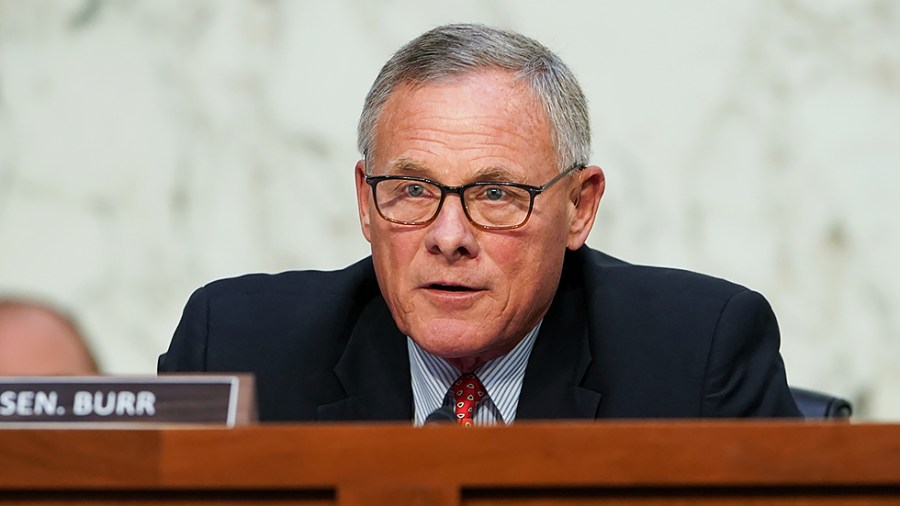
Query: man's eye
(414,190)
(494,193)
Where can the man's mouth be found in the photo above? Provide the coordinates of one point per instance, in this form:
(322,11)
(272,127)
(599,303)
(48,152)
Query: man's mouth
(450,288)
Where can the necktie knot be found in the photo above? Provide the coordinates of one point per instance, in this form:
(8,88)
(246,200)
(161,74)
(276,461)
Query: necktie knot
(468,392)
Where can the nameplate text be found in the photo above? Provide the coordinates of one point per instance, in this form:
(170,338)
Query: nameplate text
(195,399)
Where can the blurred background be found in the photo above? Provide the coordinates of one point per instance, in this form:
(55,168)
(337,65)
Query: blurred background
(148,147)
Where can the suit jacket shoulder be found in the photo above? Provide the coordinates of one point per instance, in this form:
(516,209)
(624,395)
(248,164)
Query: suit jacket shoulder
(289,329)
(674,343)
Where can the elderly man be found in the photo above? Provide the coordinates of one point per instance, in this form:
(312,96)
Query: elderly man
(480,298)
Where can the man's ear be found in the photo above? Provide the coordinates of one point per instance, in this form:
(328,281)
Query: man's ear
(363,198)
(584,199)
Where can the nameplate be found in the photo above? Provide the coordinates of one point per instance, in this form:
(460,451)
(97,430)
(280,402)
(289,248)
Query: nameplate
(130,400)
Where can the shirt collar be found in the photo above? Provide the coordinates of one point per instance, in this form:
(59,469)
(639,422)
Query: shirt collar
(502,378)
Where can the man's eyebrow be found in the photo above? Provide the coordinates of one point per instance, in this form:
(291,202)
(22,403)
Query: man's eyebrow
(498,174)
(405,166)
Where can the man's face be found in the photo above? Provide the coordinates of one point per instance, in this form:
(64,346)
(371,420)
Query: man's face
(460,292)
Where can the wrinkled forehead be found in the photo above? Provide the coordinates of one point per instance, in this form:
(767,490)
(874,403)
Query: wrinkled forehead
(489,115)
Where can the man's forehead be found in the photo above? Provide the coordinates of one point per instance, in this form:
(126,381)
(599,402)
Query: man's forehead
(487,125)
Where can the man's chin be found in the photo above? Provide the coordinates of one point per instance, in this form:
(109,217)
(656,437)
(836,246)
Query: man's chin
(452,339)
(464,345)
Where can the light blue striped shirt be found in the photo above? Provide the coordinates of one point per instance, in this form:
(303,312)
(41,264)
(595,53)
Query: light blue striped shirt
(502,379)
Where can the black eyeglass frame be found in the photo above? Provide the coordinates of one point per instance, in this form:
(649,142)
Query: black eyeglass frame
(533,191)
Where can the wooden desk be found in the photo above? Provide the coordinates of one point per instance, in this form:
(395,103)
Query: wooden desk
(645,463)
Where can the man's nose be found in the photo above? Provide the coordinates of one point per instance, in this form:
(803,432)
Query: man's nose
(451,234)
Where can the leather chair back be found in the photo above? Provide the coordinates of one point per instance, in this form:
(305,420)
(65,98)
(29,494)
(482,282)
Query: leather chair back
(819,405)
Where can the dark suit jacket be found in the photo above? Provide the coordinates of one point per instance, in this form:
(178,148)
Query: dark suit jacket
(619,341)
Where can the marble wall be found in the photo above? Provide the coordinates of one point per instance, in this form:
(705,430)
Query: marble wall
(149,146)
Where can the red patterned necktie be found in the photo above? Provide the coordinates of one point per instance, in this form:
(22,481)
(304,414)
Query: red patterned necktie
(467,394)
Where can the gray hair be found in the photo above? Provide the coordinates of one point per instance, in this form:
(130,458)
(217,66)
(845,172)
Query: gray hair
(453,50)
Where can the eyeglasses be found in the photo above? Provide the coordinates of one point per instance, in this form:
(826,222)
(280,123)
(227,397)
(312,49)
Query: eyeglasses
(490,205)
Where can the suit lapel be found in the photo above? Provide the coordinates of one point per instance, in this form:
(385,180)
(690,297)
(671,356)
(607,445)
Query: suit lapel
(561,356)
(374,370)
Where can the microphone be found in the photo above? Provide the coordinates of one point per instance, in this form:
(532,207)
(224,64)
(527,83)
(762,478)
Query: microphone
(443,414)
